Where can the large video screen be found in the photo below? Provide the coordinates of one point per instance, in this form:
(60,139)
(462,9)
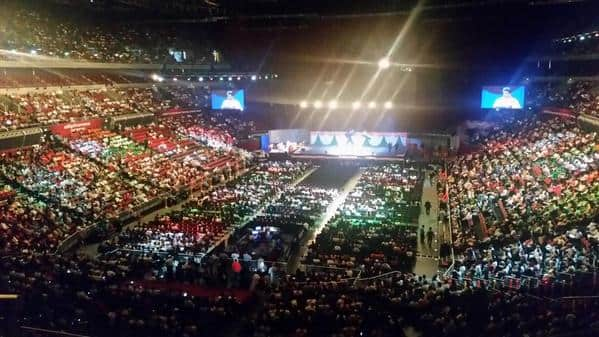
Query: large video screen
(502,97)
(228,99)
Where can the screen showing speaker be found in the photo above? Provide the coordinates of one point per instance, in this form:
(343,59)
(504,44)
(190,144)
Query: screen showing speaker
(503,97)
(233,99)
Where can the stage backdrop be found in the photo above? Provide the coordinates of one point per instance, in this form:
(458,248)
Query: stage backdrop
(288,135)
(358,139)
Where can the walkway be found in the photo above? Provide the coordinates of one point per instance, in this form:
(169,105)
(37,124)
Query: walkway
(427,260)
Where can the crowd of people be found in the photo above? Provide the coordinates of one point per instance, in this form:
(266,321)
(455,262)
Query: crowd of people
(203,223)
(50,32)
(578,96)
(29,225)
(372,229)
(11,78)
(525,206)
(276,233)
(48,108)
(74,182)
(155,284)
(99,297)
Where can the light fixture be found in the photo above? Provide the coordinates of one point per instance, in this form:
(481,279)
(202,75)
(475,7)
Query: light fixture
(253,77)
(333,104)
(317,104)
(201,79)
(384,63)
(303,104)
(371,105)
(230,78)
(356,105)
(388,105)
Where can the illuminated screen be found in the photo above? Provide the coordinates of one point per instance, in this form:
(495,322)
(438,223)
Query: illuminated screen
(228,100)
(502,97)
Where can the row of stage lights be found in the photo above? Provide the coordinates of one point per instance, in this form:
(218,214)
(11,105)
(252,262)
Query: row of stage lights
(230,78)
(333,104)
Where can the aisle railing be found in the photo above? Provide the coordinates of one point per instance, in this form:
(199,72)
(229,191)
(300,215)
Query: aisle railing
(449,223)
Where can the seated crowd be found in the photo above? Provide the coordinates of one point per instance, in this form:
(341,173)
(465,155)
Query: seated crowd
(278,230)
(47,108)
(11,78)
(150,294)
(370,231)
(74,182)
(28,225)
(49,32)
(582,97)
(164,160)
(525,206)
(104,298)
(203,223)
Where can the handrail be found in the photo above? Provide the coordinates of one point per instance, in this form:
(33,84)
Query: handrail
(449,223)
(52,332)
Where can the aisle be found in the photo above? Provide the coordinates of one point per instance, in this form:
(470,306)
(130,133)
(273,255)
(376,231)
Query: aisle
(427,260)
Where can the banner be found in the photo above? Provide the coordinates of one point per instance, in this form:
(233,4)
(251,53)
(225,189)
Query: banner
(68,129)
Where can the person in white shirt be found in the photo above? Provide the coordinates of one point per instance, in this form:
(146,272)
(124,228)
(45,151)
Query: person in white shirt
(231,103)
(506,101)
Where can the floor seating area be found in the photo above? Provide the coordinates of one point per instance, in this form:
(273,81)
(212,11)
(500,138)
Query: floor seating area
(372,230)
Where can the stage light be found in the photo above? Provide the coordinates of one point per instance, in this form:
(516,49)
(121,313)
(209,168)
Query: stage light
(33,52)
(388,105)
(239,78)
(201,79)
(266,77)
(175,79)
(371,105)
(253,77)
(333,104)
(276,76)
(384,63)
(317,104)
(221,78)
(230,78)
(356,105)
(303,104)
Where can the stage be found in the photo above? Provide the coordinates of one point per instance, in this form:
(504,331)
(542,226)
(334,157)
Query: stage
(342,145)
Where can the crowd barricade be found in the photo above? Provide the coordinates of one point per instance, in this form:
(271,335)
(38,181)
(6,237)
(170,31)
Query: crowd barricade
(564,285)
(26,331)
